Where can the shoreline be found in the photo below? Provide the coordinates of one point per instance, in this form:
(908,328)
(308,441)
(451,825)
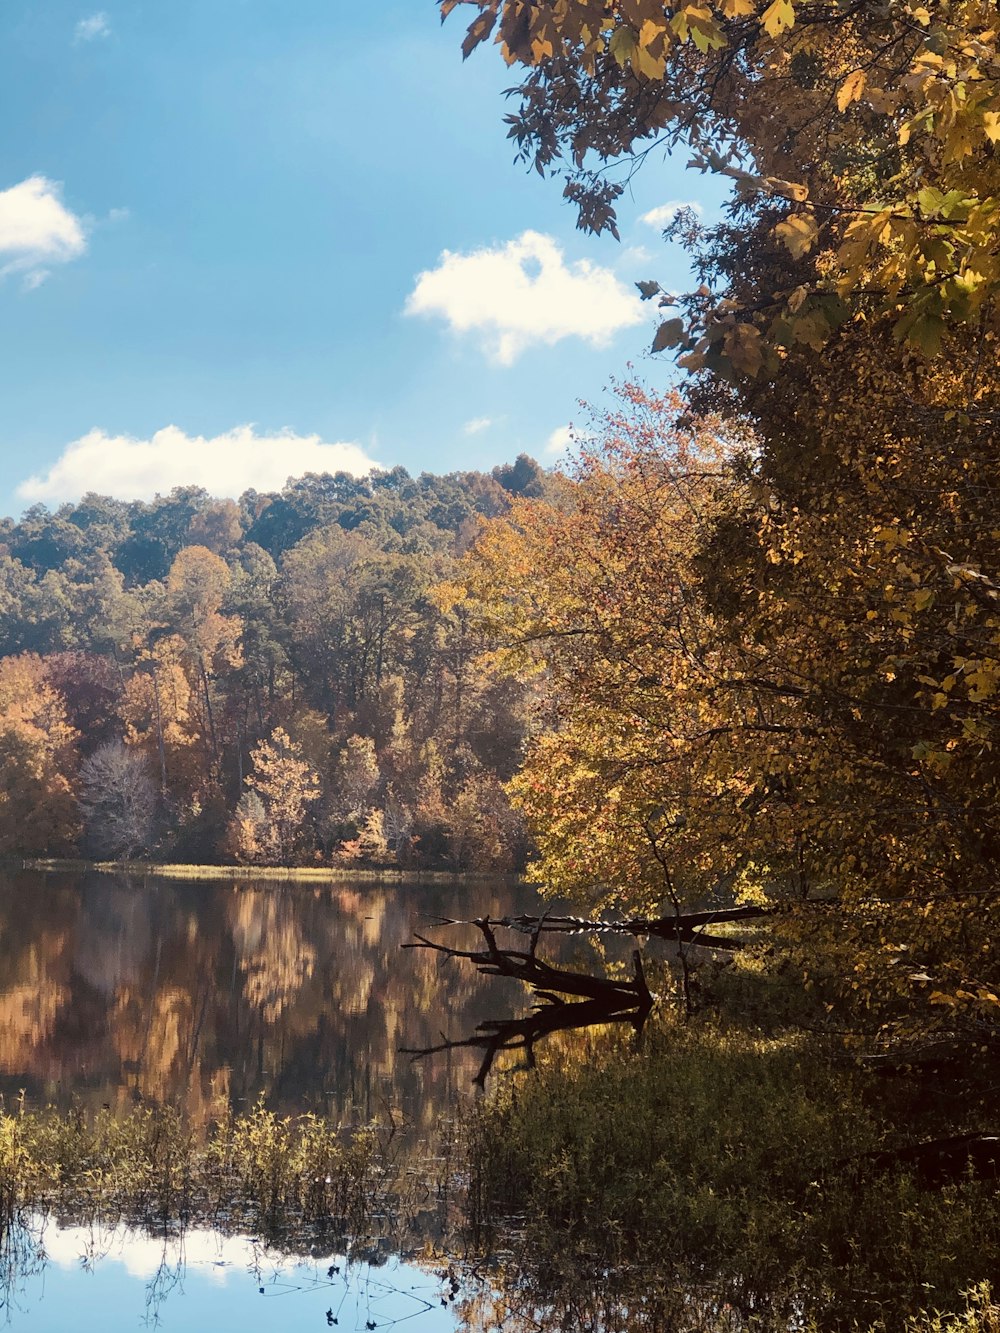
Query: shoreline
(277,874)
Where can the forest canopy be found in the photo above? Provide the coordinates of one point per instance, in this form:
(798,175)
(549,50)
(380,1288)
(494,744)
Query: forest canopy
(270,680)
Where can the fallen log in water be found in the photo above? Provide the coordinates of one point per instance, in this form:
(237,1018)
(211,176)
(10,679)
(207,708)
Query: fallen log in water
(521,1034)
(686,928)
(595,999)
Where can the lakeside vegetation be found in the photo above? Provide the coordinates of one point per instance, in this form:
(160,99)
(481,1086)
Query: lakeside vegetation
(293,1180)
(737,1173)
(253,874)
(763,609)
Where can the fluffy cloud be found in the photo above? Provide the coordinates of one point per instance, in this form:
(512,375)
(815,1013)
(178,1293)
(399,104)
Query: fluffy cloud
(477,425)
(93,28)
(37,229)
(522,293)
(225,465)
(664,214)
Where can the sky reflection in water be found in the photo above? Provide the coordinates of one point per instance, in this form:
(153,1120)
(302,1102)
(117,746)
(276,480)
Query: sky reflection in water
(114,1280)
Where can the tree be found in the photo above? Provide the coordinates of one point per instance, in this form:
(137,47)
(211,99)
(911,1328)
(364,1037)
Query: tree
(599,593)
(216,527)
(843,589)
(117,800)
(862,135)
(357,775)
(197,585)
(285,786)
(191,657)
(749,699)
(37,761)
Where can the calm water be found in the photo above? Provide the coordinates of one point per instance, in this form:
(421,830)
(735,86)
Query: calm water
(201,993)
(118,991)
(117,1279)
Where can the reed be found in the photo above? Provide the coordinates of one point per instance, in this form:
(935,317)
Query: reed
(282,1177)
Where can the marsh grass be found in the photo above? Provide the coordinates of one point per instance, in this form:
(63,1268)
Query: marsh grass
(721,1181)
(255,873)
(263,874)
(288,1179)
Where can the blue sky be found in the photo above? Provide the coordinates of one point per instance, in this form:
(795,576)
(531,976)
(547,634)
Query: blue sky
(233,213)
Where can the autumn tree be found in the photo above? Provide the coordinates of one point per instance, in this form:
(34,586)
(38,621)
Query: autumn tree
(197,585)
(37,761)
(861,135)
(168,624)
(598,591)
(850,575)
(282,786)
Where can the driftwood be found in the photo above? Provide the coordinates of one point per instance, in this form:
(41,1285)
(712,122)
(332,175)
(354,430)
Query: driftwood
(686,928)
(595,999)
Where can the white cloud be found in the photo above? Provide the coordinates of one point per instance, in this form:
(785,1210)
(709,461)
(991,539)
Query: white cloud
(477,425)
(225,465)
(93,28)
(559,441)
(522,293)
(664,214)
(37,229)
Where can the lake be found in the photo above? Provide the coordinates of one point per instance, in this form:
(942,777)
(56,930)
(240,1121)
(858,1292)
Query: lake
(118,991)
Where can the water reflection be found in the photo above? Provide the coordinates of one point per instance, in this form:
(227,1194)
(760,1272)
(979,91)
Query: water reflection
(205,993)
(201,1281)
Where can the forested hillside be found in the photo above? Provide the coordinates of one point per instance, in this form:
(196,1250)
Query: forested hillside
(271,680)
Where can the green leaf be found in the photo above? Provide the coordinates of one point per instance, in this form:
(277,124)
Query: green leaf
(622,45)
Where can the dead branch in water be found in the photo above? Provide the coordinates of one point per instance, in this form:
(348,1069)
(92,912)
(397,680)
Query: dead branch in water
(521,1034)
(595,999)
(688,928)
(548,982)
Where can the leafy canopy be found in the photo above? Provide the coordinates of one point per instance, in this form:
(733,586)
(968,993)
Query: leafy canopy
(863,133)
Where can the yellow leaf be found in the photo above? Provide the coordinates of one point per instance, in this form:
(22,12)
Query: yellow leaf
(851,89)
(777,17)
(991,125)
(797,233)
(650,30)
(737,9)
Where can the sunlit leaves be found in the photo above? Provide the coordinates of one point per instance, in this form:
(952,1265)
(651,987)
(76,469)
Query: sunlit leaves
(859,112)
(851,89)
(798,233)
(778,17)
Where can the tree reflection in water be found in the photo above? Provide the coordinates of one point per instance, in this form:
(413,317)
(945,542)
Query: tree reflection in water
(211,994)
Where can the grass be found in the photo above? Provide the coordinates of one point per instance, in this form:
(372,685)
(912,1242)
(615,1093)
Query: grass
(278,874)
(288,1179)
(721,1181)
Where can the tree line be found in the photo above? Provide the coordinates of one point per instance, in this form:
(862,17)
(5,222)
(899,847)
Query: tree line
(272,680)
